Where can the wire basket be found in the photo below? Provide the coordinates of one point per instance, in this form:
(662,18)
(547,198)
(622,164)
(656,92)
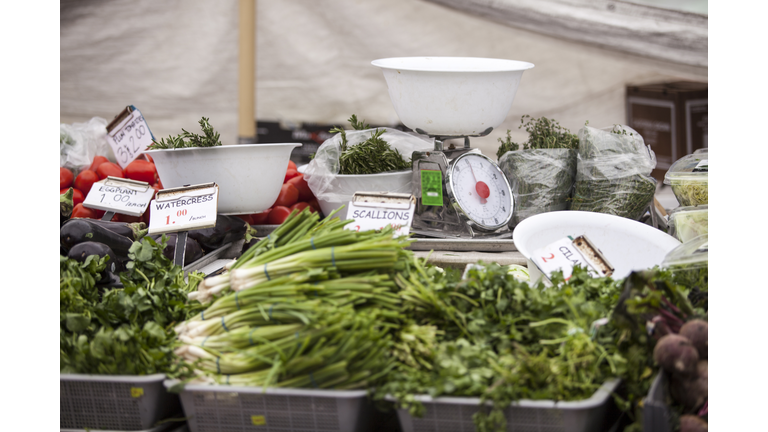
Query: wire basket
(222,408)
(114,402)
(454,414)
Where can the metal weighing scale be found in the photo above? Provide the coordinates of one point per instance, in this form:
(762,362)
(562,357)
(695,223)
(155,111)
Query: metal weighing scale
(460,193)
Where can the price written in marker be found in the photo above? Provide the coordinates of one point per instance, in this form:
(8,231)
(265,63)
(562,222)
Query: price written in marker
(129,136)
(119,195)
(184,209)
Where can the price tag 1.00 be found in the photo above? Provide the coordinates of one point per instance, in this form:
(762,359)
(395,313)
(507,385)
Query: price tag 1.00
(129,135)
(184,208)
(119,195)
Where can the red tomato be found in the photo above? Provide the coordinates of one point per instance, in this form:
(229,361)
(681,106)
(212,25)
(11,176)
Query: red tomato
(246,218)
(77,196)
(141,170)
(149,158)
(290,173)
(289,196)
(315,205)
(109,169)
(85,179)
(301,206)
(260,218)
(83,212)
(97,160)
(305,193)
(278,215)
(157,187)
(291,165)
(65,178)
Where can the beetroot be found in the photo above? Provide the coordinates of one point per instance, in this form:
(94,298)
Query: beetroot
(696,331)
(676,355)
(692,423)
(691,392)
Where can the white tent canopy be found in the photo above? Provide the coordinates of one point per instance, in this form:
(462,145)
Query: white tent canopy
(177,60)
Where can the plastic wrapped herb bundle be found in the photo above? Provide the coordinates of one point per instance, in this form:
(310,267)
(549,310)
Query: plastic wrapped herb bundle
(613,172)
(346,162)
(542,173)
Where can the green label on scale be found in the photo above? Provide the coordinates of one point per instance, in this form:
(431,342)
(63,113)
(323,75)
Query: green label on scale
(431,187)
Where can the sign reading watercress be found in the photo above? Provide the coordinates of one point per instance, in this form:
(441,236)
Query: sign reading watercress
(129,135)
(184,208)
(119,195)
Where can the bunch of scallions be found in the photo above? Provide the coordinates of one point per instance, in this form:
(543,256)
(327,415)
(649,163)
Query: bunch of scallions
(313,306)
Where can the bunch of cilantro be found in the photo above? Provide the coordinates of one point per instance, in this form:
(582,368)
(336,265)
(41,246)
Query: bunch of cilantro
(494,337)
(129,330)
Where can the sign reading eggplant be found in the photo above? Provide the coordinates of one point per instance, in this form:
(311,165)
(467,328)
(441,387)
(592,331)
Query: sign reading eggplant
(129,135)
(119,195)
(375,210)
(184,208)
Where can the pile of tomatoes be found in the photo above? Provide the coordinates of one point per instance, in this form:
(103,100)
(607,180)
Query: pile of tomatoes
(140,169)
(294,194)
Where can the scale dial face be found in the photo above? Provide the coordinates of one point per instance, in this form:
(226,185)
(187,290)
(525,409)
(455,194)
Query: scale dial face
(481,191)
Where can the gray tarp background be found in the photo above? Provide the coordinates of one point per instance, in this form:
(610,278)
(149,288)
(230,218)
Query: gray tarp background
(177,62)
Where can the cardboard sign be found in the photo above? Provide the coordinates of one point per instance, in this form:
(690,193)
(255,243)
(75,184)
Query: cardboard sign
(184,209)
(119,195)
(129,135)
(567,253)
(375,210)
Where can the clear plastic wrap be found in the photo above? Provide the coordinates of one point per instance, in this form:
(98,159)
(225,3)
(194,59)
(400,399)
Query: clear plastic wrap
(81,142)
(541,180)
(613,172)
(322,172)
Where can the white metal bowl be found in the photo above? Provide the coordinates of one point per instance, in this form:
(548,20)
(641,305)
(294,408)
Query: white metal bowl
(345,186)
(249,176)
(627,244)
(452,96)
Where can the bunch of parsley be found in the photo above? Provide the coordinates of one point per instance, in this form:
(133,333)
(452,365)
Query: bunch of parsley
(129,330)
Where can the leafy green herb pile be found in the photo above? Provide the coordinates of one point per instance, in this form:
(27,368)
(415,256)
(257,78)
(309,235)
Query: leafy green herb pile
(124,331)
(543,133)
(372,156)
(613,173)
(188,139)
(542,172)
(494,337)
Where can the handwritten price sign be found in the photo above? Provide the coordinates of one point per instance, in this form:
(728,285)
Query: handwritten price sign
(371,211)
(128,135)
(184,209)
(119,195)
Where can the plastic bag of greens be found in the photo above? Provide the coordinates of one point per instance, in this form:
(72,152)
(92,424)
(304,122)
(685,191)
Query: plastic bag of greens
(79,143)
(613,172)
(542,173)
(541,180)
(343,163)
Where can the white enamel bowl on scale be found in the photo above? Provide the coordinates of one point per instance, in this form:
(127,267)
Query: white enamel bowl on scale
(249,176)
(452,96)
(627,244)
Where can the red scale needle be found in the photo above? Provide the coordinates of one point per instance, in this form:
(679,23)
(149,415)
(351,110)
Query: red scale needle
(480,187)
